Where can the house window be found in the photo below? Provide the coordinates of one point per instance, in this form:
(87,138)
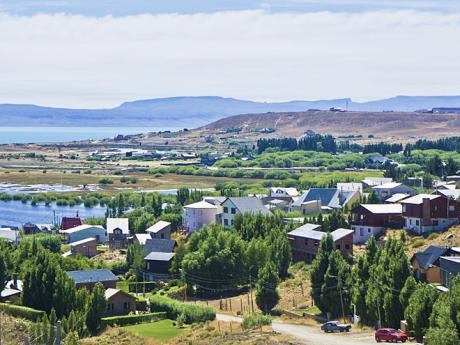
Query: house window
(337,246)
(162,235)
(435,223)
(233,210)
(451,208)
(347,246)
(417,222)
(316,243)
(225,221)
(306,242)
(225,209)
(148,265)
(125,305)
(368,230)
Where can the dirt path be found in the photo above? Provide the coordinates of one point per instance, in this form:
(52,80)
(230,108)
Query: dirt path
(311,335)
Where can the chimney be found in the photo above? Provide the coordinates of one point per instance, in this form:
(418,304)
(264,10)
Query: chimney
(426,212)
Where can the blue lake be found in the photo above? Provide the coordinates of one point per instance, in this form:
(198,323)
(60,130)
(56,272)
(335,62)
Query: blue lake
(17,214)
(22,135)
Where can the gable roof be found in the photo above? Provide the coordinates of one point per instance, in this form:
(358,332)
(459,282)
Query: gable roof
(158,226)
(375,181)
(201,205)
(429,256)
(92,276)
(85,240)
(330,197)
(388,185)
(312,231)
(142,238)
(450,193)
(158,256)
(248,204)
(383,208)
(159,245)
(288,191)
(82,227)
(110,292)
(418,199)
(118,223)
(70,222)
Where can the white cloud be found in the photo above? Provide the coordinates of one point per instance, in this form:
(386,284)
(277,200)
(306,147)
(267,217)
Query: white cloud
(100,61)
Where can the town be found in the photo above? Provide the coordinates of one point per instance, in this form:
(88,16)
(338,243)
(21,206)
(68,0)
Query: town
(374,248)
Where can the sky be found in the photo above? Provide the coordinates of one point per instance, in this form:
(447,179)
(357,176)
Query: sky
(93,54)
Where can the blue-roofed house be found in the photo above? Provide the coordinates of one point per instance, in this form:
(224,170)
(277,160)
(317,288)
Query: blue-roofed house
(450,268)
(88,278)
(426,265)
(316,200)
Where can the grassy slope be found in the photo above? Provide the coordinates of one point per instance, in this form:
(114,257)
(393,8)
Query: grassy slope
(162,330)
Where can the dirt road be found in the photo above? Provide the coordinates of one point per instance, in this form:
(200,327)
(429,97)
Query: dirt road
(311,335)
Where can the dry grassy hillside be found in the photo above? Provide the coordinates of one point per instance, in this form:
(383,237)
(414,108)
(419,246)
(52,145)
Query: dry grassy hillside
(398,125)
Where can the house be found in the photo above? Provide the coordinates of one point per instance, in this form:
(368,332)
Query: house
(377,159)
(160,229)
(429,212)
(398,197)
(450,268)
(9,235)
(119,302)
(30,228)
(426,266)
(305,242)
(370,182)
(386,190)
(316,200)
(12,290)
(70,222)
(283,193)
(141,239)
(118,232)
(83,232)
(86,247)
(159,245)
(372,219)
(240,205)
(350,186)
(197,215)
(158,263)
(89,278)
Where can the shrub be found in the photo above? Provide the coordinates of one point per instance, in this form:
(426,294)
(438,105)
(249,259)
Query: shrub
(87,172)
(20,311)
(132,319)
(432,236)
(191,312)
(418,242)
(118,172)
(254,321)
(105,180)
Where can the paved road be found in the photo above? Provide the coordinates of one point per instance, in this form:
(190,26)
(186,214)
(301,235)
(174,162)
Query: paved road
(311,335)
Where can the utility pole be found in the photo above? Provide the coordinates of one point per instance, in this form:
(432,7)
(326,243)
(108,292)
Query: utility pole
(250,292)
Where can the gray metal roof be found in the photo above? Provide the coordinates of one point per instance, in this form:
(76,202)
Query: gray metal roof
(158,226)
(331,197)
(429,256)
(418,199)
(92,276)
(248,204)
(158,256)
(450,264)
(159,245)
(312,231)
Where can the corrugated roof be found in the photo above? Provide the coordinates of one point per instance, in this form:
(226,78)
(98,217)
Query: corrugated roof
(142,238)
(158,256)
(450,193)
(330,197)
(118,223)
(418,199)
(383,208)
(430,255)
(308,231)
(341,233)
(86,240)
(159,245)
(249,204)
(158,226)
(92,276)
(388,185)
(201,205)
(82,228)
(397,197)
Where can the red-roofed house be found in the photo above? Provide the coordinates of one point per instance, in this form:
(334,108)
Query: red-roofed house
(70,222)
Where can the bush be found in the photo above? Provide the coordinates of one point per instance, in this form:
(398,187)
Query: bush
(132,319)
(254,321)
(432,236)
(191,312)
(105,180)
(20,311)
(418,243)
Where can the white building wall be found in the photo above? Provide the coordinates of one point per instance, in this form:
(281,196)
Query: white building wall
(415,224)
(227,217)
(363,233)
(195,218)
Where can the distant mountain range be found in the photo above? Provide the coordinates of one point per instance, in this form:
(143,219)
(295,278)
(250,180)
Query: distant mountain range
(197,111)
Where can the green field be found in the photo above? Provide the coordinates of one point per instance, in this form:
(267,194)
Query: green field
(162,330)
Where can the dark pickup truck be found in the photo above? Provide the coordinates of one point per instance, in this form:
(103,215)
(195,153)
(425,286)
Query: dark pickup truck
(333,326)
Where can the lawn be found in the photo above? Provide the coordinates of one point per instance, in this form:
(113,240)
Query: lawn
(162,330)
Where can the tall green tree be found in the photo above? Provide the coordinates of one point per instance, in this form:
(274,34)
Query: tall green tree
(267,295)
(419,309)
(318,269)
(97,308)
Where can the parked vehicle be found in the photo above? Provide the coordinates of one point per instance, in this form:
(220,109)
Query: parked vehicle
(333,326)
(390,334)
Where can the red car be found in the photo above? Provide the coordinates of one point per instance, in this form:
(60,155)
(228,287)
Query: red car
(390,334)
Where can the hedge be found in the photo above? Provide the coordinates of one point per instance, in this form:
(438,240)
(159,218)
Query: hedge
(125,320)
(254,321)
(20,311)
(191,312)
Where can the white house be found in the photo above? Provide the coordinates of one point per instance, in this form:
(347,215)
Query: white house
(197,215)
(118,232)
(282,193)
(238,205)
(350,186)
(12,236)
(160,229)
(83,232)
(386,190)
